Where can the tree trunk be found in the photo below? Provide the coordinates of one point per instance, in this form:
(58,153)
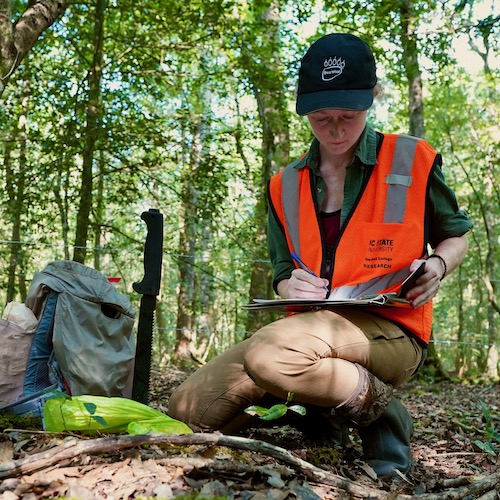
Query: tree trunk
(460,360)
(91,136)
(205,297)
(16,181)
(194,323)
(99,213)
(185,331)
(413,74)
(9,139)
(162,356)
(493,309)
(16,39)
(185,315)
(60,190)
(267,82)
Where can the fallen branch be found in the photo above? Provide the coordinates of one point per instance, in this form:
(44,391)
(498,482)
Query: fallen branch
(482,484)
(491,495)
(486,485)
(74,448)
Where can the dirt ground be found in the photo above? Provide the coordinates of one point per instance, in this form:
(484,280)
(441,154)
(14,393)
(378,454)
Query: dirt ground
(456,448)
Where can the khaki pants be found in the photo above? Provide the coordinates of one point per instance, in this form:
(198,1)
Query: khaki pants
(311,354)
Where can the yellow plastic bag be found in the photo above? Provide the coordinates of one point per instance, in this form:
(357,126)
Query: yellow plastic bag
(90,414)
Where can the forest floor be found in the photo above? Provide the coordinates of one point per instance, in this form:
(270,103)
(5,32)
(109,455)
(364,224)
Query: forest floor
(455,447)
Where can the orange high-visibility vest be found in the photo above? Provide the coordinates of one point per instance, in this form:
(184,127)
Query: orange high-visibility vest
(380,239)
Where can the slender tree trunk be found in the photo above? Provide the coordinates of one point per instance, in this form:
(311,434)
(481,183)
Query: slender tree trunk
(205,296)
(493,310)
(16,181)
(413,74)
(185,334)
(161,354)
(461,351)
(8,176)
(99,213)
(60,190)
(91,136)
(267,82)
(194,323)
(185,328)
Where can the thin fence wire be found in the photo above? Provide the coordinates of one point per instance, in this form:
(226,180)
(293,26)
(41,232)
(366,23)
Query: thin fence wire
(244,333)
(165,253)
(108,250)
(236,259)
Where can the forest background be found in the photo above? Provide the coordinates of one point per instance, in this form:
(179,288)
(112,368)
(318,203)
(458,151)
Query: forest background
(109,108)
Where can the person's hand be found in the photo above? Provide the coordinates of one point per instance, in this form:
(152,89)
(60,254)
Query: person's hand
(302,285)
(428,284)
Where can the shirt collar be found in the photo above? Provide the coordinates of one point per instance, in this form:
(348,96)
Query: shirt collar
(365,154)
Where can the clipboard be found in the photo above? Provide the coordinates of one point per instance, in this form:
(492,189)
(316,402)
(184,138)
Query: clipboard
(391,299)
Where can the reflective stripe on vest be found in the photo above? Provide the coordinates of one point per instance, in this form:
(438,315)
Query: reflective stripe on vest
(291,205)
(399,180)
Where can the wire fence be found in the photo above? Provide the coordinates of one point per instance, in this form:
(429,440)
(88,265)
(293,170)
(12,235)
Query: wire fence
(198,258)
(244,333)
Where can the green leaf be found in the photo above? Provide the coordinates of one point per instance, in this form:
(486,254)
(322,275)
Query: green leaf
(90,407)
(256,411)
(272,413)
(298,409)
(486,447)
(486,411)
(275,412)
(100,420)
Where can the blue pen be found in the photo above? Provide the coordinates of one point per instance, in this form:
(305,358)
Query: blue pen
(296,258)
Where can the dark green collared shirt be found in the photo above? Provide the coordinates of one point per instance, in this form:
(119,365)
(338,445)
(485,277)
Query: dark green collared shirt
(445,220)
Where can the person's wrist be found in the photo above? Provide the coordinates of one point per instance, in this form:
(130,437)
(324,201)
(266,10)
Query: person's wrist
(282,288)
(443,263)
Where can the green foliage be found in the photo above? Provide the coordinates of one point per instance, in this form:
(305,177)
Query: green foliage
(491,435)
(194,113)
(276,411)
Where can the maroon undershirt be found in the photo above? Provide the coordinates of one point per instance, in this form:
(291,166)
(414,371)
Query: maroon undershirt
(331,226)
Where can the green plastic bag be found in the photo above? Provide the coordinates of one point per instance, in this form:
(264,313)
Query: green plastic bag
(90,414)
(160,425)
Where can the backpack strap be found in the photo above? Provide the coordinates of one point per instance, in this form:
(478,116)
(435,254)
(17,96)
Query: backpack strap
(37,368)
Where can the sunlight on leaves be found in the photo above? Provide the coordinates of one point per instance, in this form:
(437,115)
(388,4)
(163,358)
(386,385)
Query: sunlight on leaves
(298,409)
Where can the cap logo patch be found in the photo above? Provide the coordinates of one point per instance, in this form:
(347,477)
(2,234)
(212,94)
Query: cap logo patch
(333,67)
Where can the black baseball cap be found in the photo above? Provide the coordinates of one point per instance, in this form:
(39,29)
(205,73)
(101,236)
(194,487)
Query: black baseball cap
(338,71)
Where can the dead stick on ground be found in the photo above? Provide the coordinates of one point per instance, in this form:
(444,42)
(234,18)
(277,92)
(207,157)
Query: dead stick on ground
(73,448)
(478,485)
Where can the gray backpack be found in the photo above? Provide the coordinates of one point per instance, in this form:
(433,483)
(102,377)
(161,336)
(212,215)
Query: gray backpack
(84,341)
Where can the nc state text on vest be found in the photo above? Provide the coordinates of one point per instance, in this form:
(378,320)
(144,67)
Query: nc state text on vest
(382,245)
